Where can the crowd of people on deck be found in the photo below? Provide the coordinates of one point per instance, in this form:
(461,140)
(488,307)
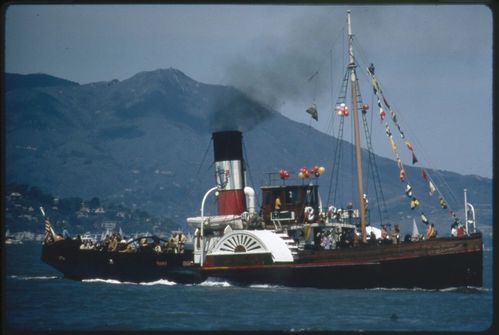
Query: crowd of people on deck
(117,243)
(393,238)
(329,239)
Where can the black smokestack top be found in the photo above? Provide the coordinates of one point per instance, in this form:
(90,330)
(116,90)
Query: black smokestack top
(228,145)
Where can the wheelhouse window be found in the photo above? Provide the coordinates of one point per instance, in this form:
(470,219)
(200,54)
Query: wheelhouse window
(292,196)
(311,197)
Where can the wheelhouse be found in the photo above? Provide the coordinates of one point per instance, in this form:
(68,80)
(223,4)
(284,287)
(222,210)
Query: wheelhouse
(290,204)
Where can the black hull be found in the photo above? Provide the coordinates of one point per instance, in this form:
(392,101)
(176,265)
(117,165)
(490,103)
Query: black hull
(426,272)
(430,264)
(144,266)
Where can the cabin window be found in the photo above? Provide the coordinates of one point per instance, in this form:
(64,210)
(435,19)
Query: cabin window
(310,198)
(268,198)
(292,196)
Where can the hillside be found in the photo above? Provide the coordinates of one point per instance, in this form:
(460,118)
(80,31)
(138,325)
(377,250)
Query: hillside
(144,142)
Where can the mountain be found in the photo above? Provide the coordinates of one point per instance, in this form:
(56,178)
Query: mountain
(144,142)
(16,81)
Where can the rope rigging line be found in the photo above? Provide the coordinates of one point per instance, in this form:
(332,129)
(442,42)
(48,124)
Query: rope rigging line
(197,174)
(337,154)
(372,166)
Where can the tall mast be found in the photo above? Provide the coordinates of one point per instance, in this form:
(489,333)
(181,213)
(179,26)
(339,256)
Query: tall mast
(355,110)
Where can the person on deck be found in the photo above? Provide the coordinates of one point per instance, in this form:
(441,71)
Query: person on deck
(277,207)
(460,231)
(395,234)
(384,233)
(453,230)
(182,241)
(113,244)
(170,245)
(277,204)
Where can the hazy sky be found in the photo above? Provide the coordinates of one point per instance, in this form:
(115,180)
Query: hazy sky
(434,62)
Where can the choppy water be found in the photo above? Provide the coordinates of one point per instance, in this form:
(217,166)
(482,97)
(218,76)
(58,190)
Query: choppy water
(38,298)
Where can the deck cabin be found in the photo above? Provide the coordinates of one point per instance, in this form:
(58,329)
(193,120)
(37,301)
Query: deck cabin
(301,215)
(298,204)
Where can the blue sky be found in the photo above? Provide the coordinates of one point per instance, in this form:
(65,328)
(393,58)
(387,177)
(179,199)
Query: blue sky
(434,62)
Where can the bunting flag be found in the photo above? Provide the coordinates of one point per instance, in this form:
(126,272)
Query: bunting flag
(400,131)
(414,203)
(382,114)
(424,219)
(399,164)
(401,168)
(442,202)
(386,103)
(380,97)
(388,131)
(373,82)
(425,176)
(409,147)
(394,147)
(393,116)
(414,159)
(408,190)
(402,175)
(385,106)
(432,188)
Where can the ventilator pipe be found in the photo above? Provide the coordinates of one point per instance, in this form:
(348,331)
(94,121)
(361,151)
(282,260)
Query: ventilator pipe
(250,198)
(201,261)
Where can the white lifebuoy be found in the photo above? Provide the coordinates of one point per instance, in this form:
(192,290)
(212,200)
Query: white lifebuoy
(309,212)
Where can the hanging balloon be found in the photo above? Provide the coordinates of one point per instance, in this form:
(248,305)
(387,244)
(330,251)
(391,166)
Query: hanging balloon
(305,172)
(346,111)
(301,175)
(365,107)
(315,171)
(322,169)
(339,110)
(283,174)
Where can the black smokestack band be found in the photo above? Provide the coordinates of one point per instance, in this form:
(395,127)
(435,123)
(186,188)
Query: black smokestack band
(228,146)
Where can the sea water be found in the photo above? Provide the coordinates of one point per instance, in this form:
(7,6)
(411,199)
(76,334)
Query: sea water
(38,298)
